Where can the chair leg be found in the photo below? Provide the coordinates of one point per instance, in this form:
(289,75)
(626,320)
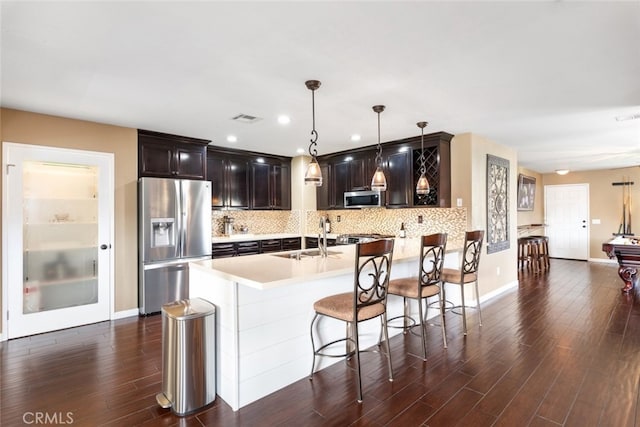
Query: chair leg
(464,313)
(444,332)
(354,326)
(313,347)
(406,315)
(423,330)
(388,347)
(478,305)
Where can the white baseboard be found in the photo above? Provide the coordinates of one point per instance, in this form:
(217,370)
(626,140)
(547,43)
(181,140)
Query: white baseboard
(125,313)
(499,291)
(604,260)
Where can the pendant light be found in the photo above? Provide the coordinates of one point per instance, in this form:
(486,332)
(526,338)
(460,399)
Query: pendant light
(422,187)
(379,182)
(313,176)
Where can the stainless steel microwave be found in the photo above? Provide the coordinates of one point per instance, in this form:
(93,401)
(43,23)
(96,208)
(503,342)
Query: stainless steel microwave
(363,199)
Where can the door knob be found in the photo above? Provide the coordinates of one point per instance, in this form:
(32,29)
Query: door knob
(104,246)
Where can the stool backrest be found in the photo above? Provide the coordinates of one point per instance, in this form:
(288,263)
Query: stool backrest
(432,249)
(372,271)
(472,250)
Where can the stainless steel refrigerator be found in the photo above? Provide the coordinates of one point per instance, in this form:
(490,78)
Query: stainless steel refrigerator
(175,228)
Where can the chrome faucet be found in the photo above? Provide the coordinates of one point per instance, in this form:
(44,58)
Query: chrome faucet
(322,238)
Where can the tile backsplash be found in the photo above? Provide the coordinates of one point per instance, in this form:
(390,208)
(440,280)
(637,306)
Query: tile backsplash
(453,221)
(258,222)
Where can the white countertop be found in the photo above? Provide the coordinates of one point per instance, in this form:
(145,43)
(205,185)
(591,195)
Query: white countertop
(266,271)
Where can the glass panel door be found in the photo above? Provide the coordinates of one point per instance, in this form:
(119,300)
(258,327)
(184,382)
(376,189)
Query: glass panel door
(60,227)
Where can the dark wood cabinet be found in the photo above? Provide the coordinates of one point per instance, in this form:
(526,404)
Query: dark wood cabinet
(254,247)
(397,170)
(291,243)
(325,193)
(270,185)
(401,163)
(341,174)
(271,245)
(312,242)
(171,156)
(247,180)
(229,176)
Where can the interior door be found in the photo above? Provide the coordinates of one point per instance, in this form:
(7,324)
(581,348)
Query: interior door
(58,228)
(567,218)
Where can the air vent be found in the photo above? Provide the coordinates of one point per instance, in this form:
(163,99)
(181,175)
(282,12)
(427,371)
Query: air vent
(245,118)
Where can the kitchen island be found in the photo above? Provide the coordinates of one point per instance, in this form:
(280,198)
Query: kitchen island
(264,306)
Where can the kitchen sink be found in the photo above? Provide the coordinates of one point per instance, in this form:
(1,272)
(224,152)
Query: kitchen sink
(307,253)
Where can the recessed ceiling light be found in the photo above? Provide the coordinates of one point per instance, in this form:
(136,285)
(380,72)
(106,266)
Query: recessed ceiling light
(562,171)
(284,120)
(232,138)
(355,137)
(300,150)
(629,117)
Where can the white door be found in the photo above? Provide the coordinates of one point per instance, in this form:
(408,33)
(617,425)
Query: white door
(58,228)
(566,210)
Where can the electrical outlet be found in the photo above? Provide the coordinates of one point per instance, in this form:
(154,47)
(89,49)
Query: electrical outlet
(459,202)
(497,271)
(338,218)
(419,219)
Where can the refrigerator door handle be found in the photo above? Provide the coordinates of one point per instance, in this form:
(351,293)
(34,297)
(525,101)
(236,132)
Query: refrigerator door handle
(180,218)
(155,266)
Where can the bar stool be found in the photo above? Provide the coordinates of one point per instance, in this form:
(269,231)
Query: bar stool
(528,254)
(367,301)
(543,251)
(427,284)
(468,272)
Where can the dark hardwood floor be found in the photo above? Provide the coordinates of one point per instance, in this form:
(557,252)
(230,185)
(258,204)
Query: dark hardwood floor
(561,350)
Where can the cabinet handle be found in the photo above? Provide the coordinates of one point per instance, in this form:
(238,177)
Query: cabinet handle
(104,246)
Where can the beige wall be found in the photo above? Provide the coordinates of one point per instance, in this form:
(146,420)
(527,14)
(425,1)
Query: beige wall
(30,128)
(605,201)
(469,182)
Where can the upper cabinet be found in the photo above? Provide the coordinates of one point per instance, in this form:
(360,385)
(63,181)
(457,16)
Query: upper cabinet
(163,155)
(270,184)
(401,162)
(229,176)
(247,180)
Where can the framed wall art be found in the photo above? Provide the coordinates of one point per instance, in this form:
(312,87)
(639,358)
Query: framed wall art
(497,204)
(526,192)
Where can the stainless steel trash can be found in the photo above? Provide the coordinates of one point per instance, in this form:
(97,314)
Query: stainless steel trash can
(188,355)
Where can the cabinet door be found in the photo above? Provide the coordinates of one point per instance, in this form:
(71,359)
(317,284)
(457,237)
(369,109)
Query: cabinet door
(324,194)
(155,159)
(216,174)
(357,176)
(398,174)
(190,161)
(281,194)
(341,182)
(261,186)
(238,182)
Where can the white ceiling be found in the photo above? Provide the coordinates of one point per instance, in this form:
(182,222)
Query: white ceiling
(546,78)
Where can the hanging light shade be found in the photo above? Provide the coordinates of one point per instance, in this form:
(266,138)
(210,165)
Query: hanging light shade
(422,187)
(313,176)
(379,182)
